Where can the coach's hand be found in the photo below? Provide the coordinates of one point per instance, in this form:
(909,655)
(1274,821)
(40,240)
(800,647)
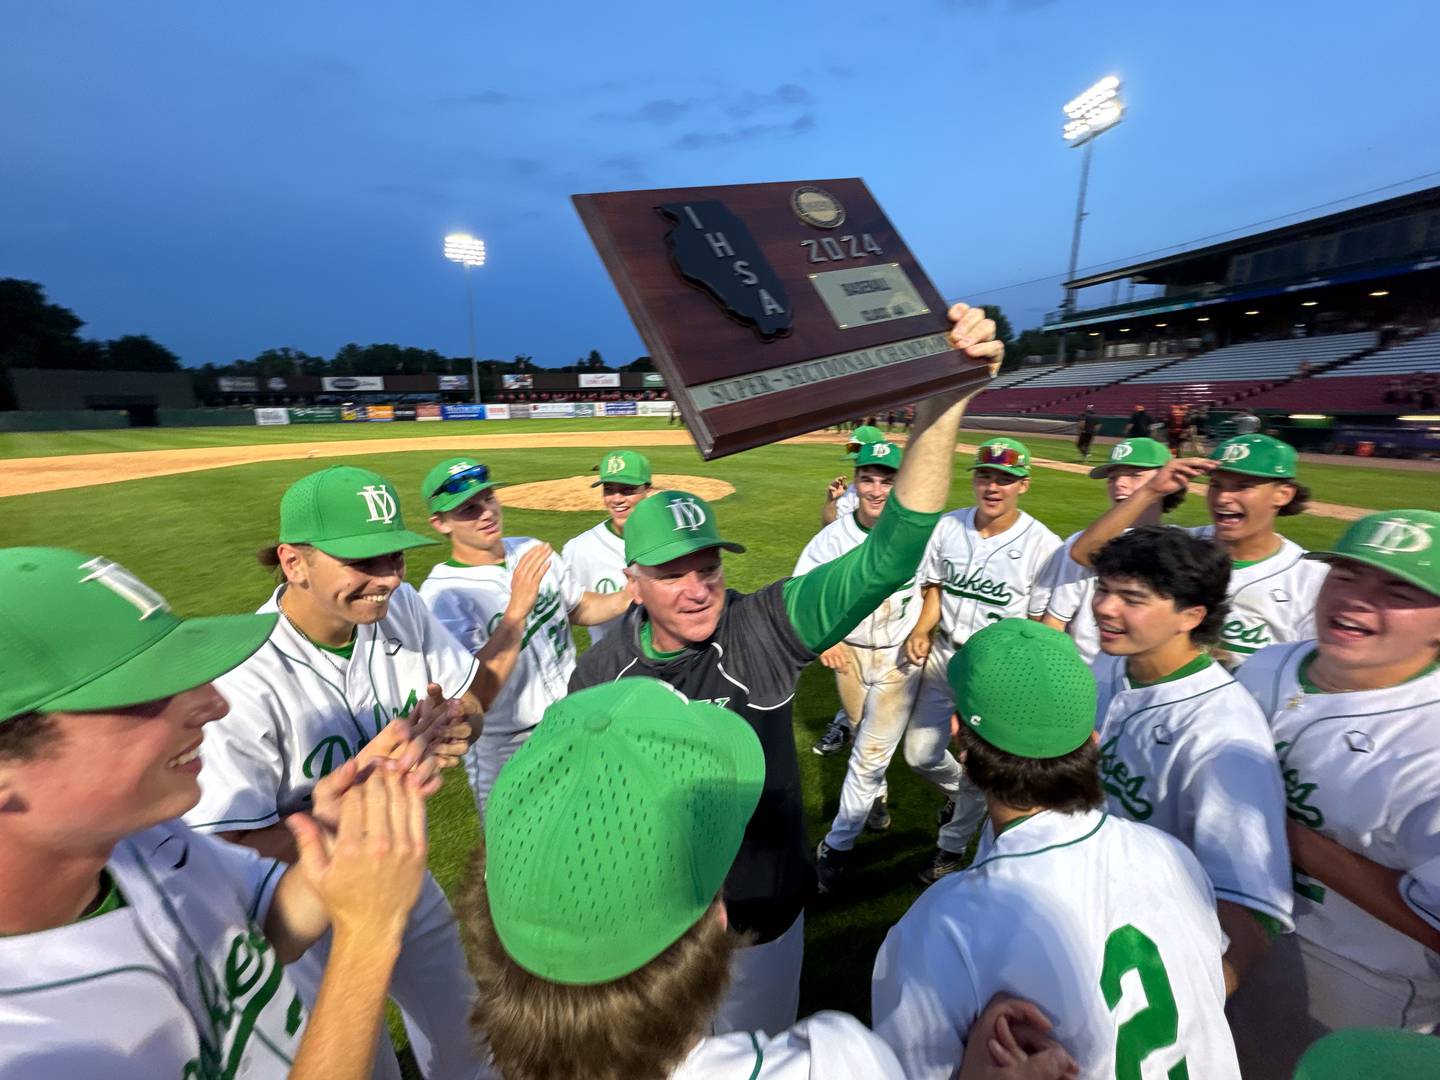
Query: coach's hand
(917,648)
(836,658)
(974,335)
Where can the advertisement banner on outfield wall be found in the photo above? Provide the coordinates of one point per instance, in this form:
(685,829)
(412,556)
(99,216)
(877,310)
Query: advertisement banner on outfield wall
(466,412)
(590,382)
(350,413)
(321,415)
(404,412)
(519,411)
(622,408)
(552,410)
(428,412)
(382,413)
(267,417)
(238,384)
(653,378)
(585,408)
(655,408)
(353,382)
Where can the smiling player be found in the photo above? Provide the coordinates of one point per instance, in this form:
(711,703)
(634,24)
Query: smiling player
(1353,715)
(596,558)
(1252,482)
(981,566)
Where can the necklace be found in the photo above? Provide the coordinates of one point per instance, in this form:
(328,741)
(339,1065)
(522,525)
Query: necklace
(301,630)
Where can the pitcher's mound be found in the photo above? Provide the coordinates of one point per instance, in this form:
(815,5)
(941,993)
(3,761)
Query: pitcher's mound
(575,492)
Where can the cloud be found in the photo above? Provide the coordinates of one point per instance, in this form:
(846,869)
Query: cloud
(524,168)
(482,97)
(700,140)
(659,111)
(628,166)
(784,96)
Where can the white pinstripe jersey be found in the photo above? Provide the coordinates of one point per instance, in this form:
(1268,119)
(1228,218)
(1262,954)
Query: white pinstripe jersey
(892,621)
(596,560)
(1271,601)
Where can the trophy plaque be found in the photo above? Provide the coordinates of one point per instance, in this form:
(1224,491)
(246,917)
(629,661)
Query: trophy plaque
(775,309)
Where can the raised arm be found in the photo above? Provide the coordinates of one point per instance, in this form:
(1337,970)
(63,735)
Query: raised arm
(1173,476)
(595,608)
(501,650)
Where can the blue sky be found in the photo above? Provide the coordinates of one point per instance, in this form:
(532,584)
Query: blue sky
(229,178)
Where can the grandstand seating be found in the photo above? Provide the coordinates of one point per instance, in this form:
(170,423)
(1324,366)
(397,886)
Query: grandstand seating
(1358,385)
(1010,378)
(1263,360)
(1097,373)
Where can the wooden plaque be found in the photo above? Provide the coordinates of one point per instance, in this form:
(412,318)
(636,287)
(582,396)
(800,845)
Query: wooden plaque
(775,309)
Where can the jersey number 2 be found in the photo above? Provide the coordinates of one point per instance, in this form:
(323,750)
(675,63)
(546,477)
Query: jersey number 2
(1157,1025)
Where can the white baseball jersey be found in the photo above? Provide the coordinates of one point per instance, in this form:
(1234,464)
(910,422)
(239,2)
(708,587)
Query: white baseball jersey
(1362,768)
(1107,925)
(848,502)
(1271,601)
(596,561)
(1193,756)
(826,1046)
(470,601)
(984,579)
(178,982)
(1064,591)
(297,712)
(892,621)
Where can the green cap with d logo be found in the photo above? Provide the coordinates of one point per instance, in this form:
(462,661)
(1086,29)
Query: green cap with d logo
(1133,454)
(346,512)
(1405,543)
(80,633)
(1023,688)
(882,453)
(1004,455)
(610,832)
(670,524)
(865,433)
(1256,455)
(623,467)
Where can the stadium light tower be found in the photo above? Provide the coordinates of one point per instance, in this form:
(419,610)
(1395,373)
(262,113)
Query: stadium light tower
(1095,111)
(468,251)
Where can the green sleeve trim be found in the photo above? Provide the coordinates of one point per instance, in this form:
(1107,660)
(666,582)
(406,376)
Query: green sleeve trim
(829,601)
(1272,926)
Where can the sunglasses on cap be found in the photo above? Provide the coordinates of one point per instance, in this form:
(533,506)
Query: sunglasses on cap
(999,455)
(458,482)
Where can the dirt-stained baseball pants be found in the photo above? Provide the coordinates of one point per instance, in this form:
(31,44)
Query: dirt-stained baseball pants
(927,743)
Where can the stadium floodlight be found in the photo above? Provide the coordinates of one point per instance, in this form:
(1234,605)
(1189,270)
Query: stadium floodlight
(1095,111)
(468,251)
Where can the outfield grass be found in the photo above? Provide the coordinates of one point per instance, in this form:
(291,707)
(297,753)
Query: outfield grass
(193,537)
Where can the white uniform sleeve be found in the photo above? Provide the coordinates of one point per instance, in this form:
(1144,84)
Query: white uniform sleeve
(253,877)
(242,765)
(80,1058)
(812,556)
(463,620)
(1050,576)
(930,572)
(837,1047)
(848,503)
(923,998)
(447,660)
(1233,814)
(572,589)
(1419,832)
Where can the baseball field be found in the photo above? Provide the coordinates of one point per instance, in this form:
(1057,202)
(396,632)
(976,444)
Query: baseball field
(201,501)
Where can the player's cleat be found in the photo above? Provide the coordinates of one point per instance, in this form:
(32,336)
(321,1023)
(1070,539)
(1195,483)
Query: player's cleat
(944,862)
(878,820)
(942,817)
(830,866)
(837,736)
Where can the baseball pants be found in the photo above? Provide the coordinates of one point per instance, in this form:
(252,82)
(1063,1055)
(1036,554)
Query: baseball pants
(764,990)
(486,757)
(927,743)
(431,984)
(884,688)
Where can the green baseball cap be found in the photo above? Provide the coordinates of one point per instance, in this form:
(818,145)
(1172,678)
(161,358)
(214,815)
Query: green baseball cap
(453,482)
(346,512)
(1405,543)
(1134,454)
(1372,1053)
(1256,455)
(611,830)
(670,524)
(80,633)
(865,433)
(886,454)
(1005,455)
(1023,688)
(623,467)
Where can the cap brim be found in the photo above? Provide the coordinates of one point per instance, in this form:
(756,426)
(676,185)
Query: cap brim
(1099,472)
(677,549)
(372,545)
(1257,473)
(1013,470)
(633,481)
(442,503)
(1402,573)
(192,654)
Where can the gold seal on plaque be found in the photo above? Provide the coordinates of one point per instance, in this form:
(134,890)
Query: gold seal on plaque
(816,206)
